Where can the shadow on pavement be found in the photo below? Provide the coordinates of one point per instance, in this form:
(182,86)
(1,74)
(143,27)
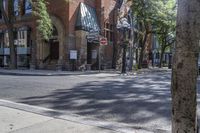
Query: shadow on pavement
(134,100)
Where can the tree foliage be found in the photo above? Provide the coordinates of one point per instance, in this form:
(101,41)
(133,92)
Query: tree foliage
(154,17)
(43,19)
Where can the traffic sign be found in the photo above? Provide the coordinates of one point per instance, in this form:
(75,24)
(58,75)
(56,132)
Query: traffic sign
(103,41)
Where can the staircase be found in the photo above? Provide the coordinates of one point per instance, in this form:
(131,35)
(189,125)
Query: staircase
(51,65)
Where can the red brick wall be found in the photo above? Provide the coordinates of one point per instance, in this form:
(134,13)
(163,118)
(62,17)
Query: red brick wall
(59,8)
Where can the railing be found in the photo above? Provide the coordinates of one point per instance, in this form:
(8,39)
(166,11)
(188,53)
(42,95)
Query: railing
(46,59)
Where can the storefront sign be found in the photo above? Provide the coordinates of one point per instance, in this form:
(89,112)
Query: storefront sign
(93,37)
(73,54)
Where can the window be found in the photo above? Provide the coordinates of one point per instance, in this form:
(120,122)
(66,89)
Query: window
(157,55)
(22,38)
(28,7)
(1,40)
(1,15)
(6,40)
(4,6)
(108,32)
(16,7)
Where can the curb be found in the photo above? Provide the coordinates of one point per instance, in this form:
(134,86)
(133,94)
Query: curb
(44,74)
(113,126)
(78,73)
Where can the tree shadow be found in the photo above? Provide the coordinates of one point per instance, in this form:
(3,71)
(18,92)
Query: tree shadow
(129,100)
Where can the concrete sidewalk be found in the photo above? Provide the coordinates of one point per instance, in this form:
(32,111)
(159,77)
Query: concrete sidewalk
(23,118)
(17,121)
(28,72)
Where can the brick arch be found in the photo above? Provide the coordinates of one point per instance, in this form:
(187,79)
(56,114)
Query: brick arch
(61,36)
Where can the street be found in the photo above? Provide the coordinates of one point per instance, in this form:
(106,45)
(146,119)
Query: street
(142,101)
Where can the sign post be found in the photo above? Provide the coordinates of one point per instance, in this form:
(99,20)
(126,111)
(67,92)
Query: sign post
(73,57)
(99,59)
(102,42)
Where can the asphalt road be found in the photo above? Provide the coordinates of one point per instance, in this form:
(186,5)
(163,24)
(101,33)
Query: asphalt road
(143,101)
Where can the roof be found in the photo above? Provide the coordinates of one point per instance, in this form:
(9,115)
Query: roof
(87,19)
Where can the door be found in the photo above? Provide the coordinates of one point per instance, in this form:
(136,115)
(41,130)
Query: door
(54,50)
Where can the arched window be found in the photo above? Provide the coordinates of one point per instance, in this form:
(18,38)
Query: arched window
(4,6)
(55,31)
(16,7)
(28,7)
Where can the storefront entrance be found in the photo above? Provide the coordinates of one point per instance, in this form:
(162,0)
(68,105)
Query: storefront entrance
(92,55)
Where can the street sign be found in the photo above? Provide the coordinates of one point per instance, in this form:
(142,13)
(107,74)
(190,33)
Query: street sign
(103,41)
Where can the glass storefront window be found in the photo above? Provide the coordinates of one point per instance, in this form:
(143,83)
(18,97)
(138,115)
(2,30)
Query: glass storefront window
(6,60)
(23,60)
(22,38)
(1,40)
(6,40)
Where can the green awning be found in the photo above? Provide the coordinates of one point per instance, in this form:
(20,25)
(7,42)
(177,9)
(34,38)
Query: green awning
(87,19)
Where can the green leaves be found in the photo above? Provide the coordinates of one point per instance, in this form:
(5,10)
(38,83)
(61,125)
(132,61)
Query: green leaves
(43,19)
(159,16)
(155,12)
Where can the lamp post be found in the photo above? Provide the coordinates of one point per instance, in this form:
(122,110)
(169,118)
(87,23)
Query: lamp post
(123,26)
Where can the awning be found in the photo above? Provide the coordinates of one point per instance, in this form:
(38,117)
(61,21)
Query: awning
(87,19)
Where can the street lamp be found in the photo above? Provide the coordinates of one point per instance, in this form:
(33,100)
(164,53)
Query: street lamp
(123,26)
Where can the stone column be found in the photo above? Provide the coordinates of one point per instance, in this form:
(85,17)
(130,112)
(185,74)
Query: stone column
(60,62)
(81,46)
(33,55)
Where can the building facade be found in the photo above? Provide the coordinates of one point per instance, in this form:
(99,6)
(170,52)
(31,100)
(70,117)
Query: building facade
(77,25)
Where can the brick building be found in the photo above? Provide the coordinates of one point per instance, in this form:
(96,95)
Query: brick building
(77,24)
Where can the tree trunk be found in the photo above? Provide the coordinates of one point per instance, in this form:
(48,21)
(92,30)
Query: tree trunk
(142,51)
(184,72)
(161,57)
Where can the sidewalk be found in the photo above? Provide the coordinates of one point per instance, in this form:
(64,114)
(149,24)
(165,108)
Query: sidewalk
(28,72)
(23,118)
(17,121)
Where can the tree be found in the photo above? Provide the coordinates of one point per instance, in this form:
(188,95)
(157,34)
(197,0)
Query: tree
(153,17)
(43,19)
(166,24)
(184,73)
(146,14)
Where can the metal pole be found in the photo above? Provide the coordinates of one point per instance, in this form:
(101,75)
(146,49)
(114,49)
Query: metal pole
(124,59)
(99,59)
(124,52)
